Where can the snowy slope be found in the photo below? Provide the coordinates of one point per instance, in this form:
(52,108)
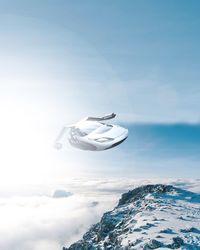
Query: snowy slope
(148,217)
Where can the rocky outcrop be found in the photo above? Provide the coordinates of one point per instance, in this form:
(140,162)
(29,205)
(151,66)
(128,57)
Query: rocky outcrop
(140,192)
(147,217)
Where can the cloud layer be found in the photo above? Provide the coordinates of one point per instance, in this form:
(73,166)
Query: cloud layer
(40,222)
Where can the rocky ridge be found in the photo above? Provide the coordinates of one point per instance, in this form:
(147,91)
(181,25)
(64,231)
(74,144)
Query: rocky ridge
(148,217)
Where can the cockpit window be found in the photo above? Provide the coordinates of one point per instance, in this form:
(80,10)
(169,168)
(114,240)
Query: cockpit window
(90,128)
(99,128)
(104,128)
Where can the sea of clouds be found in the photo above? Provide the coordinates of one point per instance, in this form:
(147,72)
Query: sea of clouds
(34,218)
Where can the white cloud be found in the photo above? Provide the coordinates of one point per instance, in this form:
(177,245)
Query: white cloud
(42,245)
(33,223)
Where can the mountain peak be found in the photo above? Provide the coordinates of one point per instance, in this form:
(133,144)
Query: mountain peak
(147,217)
(142,191)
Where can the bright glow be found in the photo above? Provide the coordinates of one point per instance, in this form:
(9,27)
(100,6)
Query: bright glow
(20,146)
(27,131)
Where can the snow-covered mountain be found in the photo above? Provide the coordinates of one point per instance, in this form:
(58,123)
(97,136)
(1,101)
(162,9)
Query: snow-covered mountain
(148,217)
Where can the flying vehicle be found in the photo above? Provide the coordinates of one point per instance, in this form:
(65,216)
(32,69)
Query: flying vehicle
(92,133)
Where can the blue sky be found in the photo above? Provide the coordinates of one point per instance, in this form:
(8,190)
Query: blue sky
(143,56)
(67,59)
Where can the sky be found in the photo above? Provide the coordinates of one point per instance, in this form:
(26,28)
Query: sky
(64,60)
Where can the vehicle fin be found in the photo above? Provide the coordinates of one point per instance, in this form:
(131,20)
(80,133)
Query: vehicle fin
(58,143)
(103,118)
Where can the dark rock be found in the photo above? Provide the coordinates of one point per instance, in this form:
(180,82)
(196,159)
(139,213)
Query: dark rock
(142,191)
(153,244)
(167,231)
(190,230)
(177,243)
